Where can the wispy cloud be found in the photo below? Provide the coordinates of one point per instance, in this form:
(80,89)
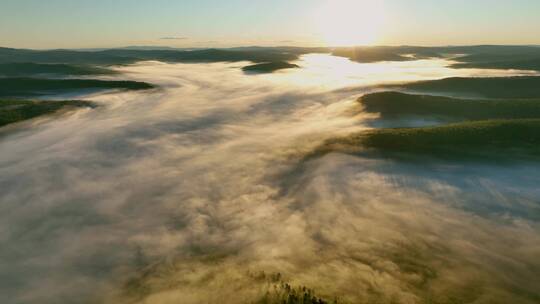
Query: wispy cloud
(173,38)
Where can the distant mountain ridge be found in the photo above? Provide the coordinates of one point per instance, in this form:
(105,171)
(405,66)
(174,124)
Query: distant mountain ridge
(129,55)
(520,57)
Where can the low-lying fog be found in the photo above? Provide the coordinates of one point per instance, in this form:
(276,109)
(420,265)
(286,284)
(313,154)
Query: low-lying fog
(185,193)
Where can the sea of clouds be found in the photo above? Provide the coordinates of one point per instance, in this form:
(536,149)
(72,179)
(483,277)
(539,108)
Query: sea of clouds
(187,193)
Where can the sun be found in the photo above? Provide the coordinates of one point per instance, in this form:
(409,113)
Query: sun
(349,22)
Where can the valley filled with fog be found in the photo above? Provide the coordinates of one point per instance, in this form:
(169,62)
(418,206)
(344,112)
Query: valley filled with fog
(205,189)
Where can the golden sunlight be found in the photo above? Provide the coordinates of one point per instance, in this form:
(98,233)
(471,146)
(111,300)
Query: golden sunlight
(349,22)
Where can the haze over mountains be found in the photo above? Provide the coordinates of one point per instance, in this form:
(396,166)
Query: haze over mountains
(518,57)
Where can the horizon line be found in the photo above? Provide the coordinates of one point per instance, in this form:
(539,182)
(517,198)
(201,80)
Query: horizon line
(266,46)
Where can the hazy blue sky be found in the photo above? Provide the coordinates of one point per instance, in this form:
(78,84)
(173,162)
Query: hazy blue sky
(106,23)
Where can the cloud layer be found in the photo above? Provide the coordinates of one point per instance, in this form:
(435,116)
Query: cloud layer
(187,193)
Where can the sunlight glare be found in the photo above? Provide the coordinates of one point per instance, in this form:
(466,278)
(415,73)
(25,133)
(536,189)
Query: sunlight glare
(349,22)
(321,72)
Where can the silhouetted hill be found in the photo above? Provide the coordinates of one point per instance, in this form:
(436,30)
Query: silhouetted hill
(490,87)
(23,87)
(501,140)
(481,56)
(35,69)
(504,64)
(371,54)
(18,110)
(269,67)
(395,104)
(60,56)
(124,56)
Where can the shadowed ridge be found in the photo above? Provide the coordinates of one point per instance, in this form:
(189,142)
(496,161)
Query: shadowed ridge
(489,87)
(20,87)
(396,104)
(269,67)
(12,111)
(506,140)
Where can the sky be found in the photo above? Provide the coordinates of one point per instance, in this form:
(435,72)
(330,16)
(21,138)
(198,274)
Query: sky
(212,23)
